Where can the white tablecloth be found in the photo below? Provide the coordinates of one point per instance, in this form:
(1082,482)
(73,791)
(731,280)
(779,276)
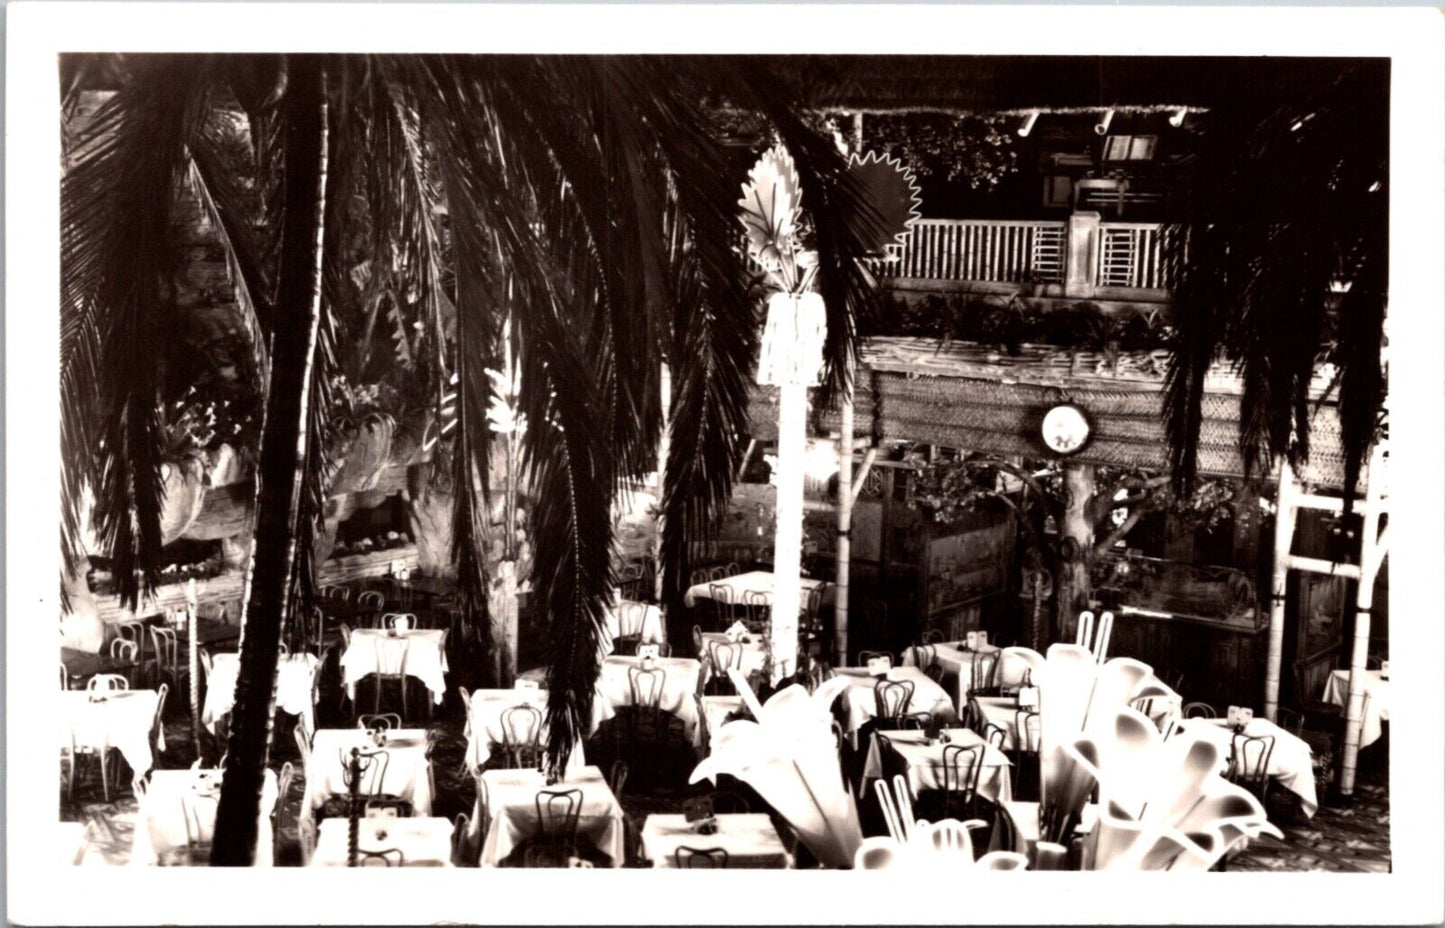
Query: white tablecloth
(1290,764)
(678,689)
(750,840)
(511,811)
(754,581)
(294,678)
(957,665)
(123,722)
(924,762)
(486,722)
(423,842)
(425,659)
(652,628)
(859,706)
(755,655)
(1377,702)
(161,823)
(406,770)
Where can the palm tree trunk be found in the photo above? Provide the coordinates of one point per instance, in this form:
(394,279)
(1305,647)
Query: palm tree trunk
(282,460)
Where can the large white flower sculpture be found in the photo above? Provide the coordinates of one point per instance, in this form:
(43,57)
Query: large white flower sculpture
(790,757)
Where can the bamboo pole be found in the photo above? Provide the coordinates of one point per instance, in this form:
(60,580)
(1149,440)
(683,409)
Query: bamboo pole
(664,448)
(1371,554)
(1284,522)
(845,528)
(788,537)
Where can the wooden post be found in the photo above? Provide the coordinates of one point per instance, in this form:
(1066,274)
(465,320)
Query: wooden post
(788,537)
(1372,552)
(1082,255)
(1284,522)
(1073,587)
(845,527)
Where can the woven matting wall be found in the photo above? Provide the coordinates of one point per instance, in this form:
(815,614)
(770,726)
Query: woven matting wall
(1002,418)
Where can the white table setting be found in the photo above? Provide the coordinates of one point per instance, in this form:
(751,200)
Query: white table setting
(1290,764)
(750,840)
(860,707)
(507,801)
(295,685)
(426,658)
(484,721)
(679,686)
(423,841)
(1377,700)
(754,581)
(407,767)
(923,761)
(122,719)
(160,826)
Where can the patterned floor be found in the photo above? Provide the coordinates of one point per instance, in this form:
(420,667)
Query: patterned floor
(1353,839)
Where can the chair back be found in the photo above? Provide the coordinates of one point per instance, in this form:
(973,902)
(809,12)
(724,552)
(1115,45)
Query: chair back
(994,735)
(64,677)
(1249,758)
(933,636)
(973,717)
(1199,710)
(558,811)
(462,854)
(724,655)
(157,725)
(371,599)
(303,746)
(631,617)
(758,604)
(726,802)
(984,671)
(372,767)
(521,734)
(133,630)
(199,810)
(1029,730)
(391,656)
(962,765)
(381,721)
(617,778)
(107,683)
(699,576)
(647,685)
(1290,720)
(698,643)
(283,788)
(400,622)
(924,655)
(891,699)
(721,596)
(694,858)
(166,645)
(388,857)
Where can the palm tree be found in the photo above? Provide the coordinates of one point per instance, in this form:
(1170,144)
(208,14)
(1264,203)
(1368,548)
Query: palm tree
(586,198)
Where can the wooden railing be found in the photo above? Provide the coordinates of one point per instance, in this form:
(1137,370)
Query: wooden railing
(1003,251)
(1130,255)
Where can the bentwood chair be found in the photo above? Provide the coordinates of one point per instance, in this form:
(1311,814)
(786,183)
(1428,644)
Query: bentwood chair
(726,802)
(723,656)
(134,630)
(107,683)
(692,858)
(962,766)
(995,736)
(647,686)
(933,636)
(924,656)
(757,609)
(522,737)
(465,852)
(1028,736)
(381,721)
(167,649)
(631,617)
(973,716)
(126,656)
(1249,762)
(387,857)
(1199,710)
(725,610)
(558,813)
(984,673)
(890,702)
(390,668)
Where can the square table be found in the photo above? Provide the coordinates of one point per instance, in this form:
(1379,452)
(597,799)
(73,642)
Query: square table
(408,773)
(423,842)
(295,680)
(506,799)
(1377,701)
(750,840)
(678,689)
(754,581)
(123,721)
(1290,764)
(922,763)
(484,722)
(957,664)
(161,823)
(426,658)
(859,706)
(652,627)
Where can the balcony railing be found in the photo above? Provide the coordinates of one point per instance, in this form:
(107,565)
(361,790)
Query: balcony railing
(1078,258)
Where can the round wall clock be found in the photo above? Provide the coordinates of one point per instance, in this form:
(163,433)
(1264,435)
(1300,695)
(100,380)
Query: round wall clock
(1065,429)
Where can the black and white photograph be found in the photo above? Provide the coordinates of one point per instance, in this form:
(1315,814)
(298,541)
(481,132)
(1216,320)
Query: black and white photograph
(703,440)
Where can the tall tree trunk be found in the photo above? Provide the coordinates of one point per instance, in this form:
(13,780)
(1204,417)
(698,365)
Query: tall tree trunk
(282,460)
(1076,536)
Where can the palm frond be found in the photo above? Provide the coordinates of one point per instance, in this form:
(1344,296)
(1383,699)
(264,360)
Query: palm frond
(117,200)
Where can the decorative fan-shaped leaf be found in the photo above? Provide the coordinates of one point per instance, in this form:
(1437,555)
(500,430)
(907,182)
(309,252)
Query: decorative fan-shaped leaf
(888,186)
(771,203)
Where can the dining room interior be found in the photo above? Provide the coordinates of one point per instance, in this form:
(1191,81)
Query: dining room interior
(738,462)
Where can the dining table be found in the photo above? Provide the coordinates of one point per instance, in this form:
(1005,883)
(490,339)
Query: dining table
(422,840)
(507,802)
(295,688)
(921,761)
(753,581)
(754,652)
(122,720)
(1291,764)
(484,722)
(859,707)
(644,622)
(160,825)
(750,840)
(406,773)
(426,658)
(1377,701)
(680,683)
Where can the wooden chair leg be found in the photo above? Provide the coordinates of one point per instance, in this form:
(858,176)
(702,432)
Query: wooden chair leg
(104,779)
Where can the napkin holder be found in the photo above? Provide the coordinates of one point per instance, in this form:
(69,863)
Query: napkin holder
(932,729)
(1028,697)
(970,641)
(700,817)
(1384,670)
(527,686)
(736,632)
(648,652)
(982,637)
(1238,718)
(879,666)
